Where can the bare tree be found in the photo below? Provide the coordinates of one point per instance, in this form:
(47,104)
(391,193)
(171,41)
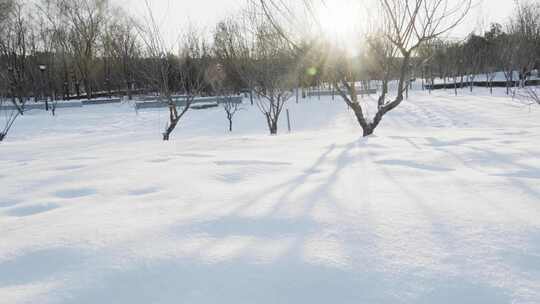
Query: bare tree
(475,53)
(507,59)
(165,72)
(262,56)
(59,43)
(407,25)
(491,53)
(124,47)
(233,52)
(194,61)
(84,21)
(273,76)
(427,60)
(456,64)
(225,91)
(528,95)
(435,61)
(13,47)
(525,26)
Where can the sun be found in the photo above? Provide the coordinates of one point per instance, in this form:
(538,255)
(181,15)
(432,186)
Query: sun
(339,20)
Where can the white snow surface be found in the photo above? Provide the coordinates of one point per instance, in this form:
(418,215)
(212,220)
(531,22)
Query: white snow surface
(442,205)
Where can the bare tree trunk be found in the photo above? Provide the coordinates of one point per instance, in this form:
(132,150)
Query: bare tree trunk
(230,119)
(129,93)
(173,121)
(78,89)
(407,92)
(431,79)
(272,124)
(88,88)
(423,77)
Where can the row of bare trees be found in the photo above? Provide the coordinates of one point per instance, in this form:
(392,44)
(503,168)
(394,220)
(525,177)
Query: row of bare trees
(86,47)
(258,54)
(390,51)
(409,40)
(53,49)
(512,49)
(90,47)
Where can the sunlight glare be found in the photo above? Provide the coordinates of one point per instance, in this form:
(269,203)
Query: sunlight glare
(341,21)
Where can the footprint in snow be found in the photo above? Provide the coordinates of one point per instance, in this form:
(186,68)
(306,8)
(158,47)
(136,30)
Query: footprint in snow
(251,163)
(9,203)
(195,155)
(32,209)
(83,158)
(70,168)
(159,160)
(413,165)
(143,191)
(75,193)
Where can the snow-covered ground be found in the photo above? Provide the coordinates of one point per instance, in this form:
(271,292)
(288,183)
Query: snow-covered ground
(441,206)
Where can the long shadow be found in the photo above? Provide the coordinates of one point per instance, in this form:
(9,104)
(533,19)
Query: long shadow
(272,226)
(497,160)
(318,193)
(289,186)
(287,279)
(269,226)
(443,288)
(315,197)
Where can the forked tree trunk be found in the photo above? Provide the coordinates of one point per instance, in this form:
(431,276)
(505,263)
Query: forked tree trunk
(272,123)
(368,127)
(273,129)
(174,118)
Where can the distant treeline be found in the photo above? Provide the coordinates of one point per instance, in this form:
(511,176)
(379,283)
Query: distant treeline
(483,84)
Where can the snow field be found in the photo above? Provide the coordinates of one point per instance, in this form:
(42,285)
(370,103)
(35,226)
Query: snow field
(441,206)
